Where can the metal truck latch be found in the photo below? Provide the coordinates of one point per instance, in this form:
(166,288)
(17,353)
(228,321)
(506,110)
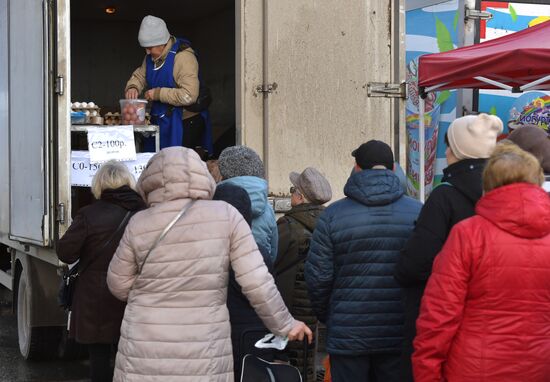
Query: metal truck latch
(385,89)
(474,14)
(59,85)
(266,88)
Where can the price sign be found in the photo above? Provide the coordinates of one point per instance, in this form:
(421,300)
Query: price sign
(107,143)
(83,171)
(137,166)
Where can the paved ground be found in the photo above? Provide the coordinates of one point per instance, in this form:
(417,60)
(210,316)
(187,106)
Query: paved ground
(13,368)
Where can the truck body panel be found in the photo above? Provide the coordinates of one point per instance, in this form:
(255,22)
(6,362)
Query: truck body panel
(4,124)
(318,59)
(28,121)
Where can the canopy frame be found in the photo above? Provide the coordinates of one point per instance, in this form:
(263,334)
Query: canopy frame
(422,105)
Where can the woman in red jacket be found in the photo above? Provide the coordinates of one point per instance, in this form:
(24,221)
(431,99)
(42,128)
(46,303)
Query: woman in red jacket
(485,315)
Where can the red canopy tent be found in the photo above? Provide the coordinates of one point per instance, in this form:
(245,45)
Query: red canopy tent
(516,62)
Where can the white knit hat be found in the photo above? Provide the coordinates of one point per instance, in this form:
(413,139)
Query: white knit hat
(474,136)
(153,32)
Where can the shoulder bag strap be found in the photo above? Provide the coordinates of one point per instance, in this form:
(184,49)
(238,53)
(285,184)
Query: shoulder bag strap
(164,232)
(122,225)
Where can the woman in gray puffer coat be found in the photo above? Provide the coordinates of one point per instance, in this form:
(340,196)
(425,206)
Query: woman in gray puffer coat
(176,324)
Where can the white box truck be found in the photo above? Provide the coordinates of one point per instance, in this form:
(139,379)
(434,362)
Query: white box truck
(303,82)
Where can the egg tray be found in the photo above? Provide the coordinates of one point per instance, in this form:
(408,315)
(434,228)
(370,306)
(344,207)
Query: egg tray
(113,119)
(88,109)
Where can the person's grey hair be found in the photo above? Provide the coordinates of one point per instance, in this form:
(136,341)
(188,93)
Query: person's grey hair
(111,175)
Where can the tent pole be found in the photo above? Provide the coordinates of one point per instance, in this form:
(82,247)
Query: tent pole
(534,83)
(421,150)
(494,83)
(435,87)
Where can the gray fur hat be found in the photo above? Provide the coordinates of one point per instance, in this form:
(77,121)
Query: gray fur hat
(240,161)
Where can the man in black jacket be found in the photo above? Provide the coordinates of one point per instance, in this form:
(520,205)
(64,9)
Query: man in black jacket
(470,140)
(350,265)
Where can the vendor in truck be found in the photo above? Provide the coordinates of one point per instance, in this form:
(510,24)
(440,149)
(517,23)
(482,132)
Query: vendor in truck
(169,76)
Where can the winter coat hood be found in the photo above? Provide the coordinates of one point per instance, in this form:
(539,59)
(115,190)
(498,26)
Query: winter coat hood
(175,173)
(124,197)
(465,176)
(520,209)
(374,187)
(257,191)
(264,227)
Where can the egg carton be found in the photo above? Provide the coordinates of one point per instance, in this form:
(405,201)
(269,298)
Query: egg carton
(88,108)
(113,119)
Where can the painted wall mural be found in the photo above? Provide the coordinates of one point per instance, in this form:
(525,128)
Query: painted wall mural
(431,29)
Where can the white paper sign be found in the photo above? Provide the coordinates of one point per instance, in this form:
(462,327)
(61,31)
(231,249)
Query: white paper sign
(107,143)
(82,171)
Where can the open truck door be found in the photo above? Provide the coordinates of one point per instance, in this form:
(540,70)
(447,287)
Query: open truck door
(29,121)
(325,78)
(62,80)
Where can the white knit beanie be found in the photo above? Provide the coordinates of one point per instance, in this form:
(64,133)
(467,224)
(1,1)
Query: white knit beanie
(153,32)
(474,136)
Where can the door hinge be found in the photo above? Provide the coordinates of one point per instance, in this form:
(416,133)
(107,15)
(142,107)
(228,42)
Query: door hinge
(60,85)
(60,213)
(266,88)
(474,14)
(385,89)
(46,229)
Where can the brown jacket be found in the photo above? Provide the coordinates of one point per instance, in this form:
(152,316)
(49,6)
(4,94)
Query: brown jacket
(186,76)
(176,325)
(96,315)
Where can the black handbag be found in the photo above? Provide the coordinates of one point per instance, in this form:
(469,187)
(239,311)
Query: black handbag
(255,369)
(70,275)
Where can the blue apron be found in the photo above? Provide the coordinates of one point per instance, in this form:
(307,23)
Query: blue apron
(168,117)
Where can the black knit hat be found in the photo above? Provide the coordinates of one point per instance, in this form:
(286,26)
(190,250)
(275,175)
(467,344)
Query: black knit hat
(373,153)
(237,197)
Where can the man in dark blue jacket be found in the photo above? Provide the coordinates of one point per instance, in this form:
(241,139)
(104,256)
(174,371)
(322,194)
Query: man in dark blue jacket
(350,266)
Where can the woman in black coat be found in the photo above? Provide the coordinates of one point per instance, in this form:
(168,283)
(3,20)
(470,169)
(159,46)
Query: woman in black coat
(246,326)
(470,140)
(92,239)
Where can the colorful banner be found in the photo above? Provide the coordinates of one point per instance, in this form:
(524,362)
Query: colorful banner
(532,108)
(431,29)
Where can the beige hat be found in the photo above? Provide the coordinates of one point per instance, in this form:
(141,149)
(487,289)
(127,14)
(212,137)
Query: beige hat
(474,136)
(313,185)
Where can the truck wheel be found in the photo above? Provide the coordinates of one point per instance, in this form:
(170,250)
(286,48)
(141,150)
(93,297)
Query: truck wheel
(34,343)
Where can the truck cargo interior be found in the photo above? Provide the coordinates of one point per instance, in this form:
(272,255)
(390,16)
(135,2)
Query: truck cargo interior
(105,51)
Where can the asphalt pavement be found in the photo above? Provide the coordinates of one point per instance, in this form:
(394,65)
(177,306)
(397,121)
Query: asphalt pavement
(13,368)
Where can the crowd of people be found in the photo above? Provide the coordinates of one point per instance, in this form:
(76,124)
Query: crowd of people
(191,273)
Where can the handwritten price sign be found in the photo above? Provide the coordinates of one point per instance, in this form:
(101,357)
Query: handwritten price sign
(82,171)
(106,143)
